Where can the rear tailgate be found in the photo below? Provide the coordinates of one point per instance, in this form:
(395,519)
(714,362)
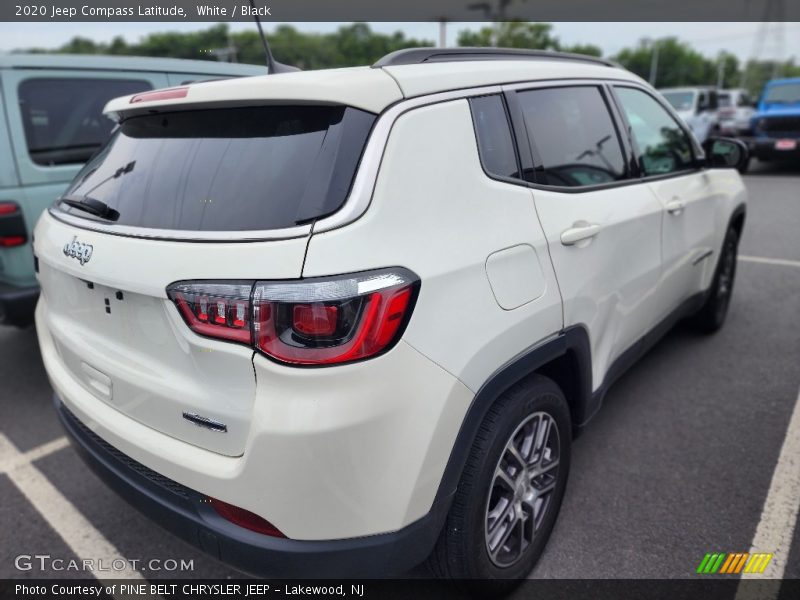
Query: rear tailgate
(192,195)
(126,343)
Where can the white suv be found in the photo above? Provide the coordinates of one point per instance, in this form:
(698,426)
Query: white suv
(334,323)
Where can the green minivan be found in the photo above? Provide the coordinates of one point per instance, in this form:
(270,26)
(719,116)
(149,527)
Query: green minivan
(51,122)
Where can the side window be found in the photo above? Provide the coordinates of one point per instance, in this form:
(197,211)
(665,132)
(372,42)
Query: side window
(573,135)
(663,146)
(63,119)
(495,144)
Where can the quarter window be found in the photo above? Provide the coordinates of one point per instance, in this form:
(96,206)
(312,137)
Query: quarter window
(495,144)
(63,117)
(663,146)
(573,135)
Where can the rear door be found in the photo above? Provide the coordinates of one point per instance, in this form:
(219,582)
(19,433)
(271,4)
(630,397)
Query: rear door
(686,193)
(215,199)
(602,225)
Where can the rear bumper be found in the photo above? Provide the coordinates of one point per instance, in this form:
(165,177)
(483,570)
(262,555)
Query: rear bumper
(17,304)
(183,512)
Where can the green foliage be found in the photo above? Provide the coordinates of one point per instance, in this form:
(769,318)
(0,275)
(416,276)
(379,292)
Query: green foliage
(678,64)
(757,73)
(514,34)
(351,45)
(356,44)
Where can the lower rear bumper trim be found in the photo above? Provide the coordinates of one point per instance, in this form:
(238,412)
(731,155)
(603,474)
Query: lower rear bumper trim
(187,514)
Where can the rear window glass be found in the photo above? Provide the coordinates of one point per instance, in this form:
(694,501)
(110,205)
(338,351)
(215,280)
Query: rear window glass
(233,169)
(63,118)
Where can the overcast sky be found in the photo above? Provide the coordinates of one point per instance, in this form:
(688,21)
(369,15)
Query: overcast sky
(709,38)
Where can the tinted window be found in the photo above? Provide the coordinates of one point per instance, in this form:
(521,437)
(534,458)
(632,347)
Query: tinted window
(574,136)
(783,93)
(724,100)
(233,169)
(681,101)
(663,146)
(63,118)
(495,144)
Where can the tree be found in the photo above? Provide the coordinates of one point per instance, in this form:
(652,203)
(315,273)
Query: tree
(678,63)
(513,34)
(589,49)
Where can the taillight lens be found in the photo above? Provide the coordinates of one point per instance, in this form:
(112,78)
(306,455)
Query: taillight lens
(244,518)
(220,310)
(8,208)
(12,226)
(317,321)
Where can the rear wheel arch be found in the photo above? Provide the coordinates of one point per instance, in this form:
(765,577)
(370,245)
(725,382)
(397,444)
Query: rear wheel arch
(737,220)
(565,358)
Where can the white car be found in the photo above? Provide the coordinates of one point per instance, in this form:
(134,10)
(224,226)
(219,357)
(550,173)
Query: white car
(697,107)
(736,109)
(334,323)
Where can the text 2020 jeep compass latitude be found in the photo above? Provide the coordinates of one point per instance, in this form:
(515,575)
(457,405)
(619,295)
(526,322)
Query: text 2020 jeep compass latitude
(334,323)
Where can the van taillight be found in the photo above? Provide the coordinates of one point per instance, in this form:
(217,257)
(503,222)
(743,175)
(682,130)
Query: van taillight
(12,225)
(317,321)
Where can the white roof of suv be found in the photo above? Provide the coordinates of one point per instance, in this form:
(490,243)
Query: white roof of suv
(388,81)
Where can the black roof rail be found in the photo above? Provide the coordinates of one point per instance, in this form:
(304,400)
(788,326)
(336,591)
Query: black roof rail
(415,56)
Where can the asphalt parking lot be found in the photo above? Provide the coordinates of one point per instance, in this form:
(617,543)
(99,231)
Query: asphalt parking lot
(678,463)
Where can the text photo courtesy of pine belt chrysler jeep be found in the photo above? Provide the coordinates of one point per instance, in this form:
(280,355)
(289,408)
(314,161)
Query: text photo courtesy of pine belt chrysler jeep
(335,323)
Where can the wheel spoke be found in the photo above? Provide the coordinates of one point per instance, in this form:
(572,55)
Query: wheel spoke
(543,470)
(500,538)
(545,487)
(515,454)
(542,434)
(500,513)
(501,475)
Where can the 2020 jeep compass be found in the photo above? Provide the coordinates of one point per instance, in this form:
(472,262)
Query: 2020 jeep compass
(335,323)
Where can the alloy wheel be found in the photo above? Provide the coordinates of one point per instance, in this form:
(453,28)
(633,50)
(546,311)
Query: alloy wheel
(522,489)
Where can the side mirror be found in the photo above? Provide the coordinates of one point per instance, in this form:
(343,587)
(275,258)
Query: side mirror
(726,153)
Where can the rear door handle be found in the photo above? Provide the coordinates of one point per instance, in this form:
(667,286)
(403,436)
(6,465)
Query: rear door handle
(579,232)
(675,206)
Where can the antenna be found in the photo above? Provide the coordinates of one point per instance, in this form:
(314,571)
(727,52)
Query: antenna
(273,66)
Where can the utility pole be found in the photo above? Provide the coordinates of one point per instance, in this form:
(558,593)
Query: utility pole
(442,33)
(721,71)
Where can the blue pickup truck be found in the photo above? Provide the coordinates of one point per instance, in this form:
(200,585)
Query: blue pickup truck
(51,122)
(776,123)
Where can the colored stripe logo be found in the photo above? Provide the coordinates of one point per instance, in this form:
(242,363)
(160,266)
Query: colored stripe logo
(734,563)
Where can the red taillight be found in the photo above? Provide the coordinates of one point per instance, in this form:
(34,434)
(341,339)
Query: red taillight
(9,241)
(320,321)
(244,518)
(8,208)
(170,94)
(220,310)
(315,320)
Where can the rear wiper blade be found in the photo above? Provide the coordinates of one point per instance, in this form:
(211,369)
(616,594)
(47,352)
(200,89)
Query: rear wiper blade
(93,206)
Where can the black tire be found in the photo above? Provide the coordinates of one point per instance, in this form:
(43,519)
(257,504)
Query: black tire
(713,312)
(462,551)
